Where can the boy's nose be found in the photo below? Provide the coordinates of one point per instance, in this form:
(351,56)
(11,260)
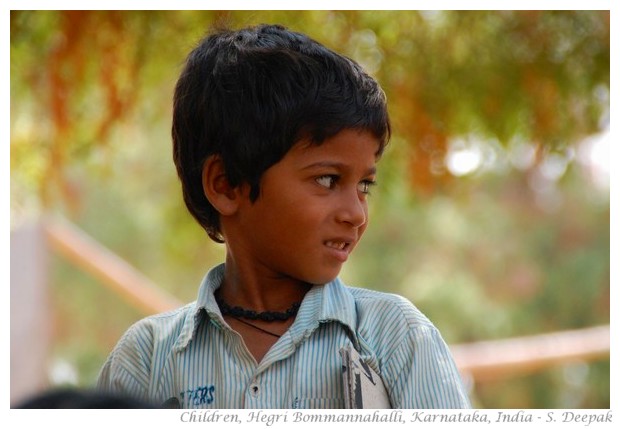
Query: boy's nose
(353,210)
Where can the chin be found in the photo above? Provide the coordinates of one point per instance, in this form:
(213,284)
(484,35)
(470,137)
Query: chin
(323,278)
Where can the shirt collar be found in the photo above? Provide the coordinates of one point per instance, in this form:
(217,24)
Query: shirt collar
(331,302)
(205,303)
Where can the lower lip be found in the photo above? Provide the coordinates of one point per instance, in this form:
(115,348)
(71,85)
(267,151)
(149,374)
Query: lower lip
(341,255)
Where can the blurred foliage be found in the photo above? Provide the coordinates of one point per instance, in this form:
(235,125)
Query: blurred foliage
(517,245)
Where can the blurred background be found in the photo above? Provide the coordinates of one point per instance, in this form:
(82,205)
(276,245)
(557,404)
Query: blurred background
(491,214)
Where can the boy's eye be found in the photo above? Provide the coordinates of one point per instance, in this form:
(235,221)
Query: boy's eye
(327,181)
(365,185)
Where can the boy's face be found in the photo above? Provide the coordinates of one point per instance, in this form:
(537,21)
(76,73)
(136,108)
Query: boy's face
(311,212)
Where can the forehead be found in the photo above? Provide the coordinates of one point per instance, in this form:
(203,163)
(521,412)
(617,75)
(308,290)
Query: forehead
(348,146)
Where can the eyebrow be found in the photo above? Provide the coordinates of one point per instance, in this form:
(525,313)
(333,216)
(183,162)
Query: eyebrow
(338,166)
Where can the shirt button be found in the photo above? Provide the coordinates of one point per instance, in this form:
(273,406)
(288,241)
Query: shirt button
(254,389)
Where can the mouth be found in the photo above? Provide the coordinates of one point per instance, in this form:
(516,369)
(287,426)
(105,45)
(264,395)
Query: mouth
(339,248)
(340,244)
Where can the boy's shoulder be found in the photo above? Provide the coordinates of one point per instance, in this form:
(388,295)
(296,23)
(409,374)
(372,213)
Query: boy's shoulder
(386,306)
(168,318)
(151,330)
(385,320)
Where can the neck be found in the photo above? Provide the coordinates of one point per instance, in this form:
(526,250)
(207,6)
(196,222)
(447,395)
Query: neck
(255,288)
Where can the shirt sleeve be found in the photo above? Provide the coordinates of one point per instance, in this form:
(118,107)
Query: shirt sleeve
(421,373)
(127,369)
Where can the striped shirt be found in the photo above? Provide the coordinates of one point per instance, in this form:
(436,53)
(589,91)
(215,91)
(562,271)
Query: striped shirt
(191,355)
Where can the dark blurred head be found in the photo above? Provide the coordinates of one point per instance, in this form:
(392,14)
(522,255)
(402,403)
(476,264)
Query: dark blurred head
(77,399)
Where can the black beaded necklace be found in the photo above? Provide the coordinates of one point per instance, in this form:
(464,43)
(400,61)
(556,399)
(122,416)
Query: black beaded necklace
(266,316)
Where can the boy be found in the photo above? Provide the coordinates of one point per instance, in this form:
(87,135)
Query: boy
(276,140)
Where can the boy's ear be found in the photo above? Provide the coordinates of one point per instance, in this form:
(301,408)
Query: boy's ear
(216,187)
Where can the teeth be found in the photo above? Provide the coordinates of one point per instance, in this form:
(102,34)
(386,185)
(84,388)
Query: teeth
(336,245)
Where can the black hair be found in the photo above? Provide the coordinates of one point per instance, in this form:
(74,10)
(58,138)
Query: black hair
(73,398)
(249,95)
